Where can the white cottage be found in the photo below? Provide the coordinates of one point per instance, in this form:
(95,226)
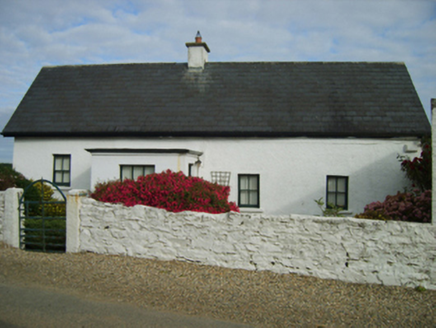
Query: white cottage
(280,134)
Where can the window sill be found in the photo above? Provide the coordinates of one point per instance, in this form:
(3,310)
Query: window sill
(346,213)
(65,188)
(250,210)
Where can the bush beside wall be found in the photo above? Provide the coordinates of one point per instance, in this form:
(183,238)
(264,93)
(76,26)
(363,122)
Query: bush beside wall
(406,206)
(169,190)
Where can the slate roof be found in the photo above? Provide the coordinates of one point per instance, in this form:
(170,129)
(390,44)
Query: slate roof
(258,99)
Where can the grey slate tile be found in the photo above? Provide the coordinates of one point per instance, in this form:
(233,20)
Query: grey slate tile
(252,99)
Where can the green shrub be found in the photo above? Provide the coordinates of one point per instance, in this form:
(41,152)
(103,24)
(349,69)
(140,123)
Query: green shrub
(45,192)
(330,210)
(54,233)
(9,178)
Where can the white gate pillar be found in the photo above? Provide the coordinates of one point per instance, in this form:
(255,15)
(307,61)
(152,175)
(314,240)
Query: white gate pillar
(74,203)
(11,223)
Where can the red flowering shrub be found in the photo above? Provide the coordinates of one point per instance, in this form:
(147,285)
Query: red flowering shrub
(172,191)
(407,206)
(419,170)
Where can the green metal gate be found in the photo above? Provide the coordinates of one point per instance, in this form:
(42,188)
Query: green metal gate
(42,218)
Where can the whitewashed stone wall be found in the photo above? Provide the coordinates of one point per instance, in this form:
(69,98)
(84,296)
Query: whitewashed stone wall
(2,212)
(348,249)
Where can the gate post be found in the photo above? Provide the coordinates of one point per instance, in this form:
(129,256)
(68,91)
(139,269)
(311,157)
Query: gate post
(74,202)
(433,153)
(11,223)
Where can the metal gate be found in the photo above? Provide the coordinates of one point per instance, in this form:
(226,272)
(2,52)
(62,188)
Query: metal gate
(42,218)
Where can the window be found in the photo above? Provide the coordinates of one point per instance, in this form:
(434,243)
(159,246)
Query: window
(132,172)
(337,191)
(62,170)
(248,190)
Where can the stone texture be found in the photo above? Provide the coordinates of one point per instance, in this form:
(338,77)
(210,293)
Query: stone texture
(348,249)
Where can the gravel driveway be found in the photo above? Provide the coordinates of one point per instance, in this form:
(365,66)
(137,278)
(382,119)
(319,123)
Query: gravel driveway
(261,299)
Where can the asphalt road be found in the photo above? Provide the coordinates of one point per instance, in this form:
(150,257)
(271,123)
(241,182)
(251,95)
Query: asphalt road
(23,306)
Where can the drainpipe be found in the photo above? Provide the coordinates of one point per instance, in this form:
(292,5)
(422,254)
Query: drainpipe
(433,154)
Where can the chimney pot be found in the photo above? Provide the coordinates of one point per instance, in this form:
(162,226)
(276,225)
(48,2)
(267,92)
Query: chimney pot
(198,37)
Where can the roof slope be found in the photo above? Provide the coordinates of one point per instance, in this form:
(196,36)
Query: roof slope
(225,99)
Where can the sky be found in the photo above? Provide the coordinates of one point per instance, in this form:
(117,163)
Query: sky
(37,33)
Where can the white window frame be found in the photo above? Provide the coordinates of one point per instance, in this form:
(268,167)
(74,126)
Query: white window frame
(133,167)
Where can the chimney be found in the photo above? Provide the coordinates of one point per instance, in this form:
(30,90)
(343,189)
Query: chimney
(197,52)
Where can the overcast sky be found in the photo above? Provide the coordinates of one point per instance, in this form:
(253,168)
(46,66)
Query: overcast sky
(36,33)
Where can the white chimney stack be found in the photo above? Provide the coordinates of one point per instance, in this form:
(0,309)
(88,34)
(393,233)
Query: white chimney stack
(197,52)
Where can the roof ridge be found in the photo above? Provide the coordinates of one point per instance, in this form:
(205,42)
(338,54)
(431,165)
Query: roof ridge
(234,62)
(110,64)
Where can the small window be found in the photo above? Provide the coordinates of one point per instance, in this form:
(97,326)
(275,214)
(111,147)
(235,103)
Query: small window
(62,170)
(132,172)
(337,191)
(248,190)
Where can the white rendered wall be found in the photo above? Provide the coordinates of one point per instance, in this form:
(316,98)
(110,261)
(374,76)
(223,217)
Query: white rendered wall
(292,170)
(107,166)
(197,56)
